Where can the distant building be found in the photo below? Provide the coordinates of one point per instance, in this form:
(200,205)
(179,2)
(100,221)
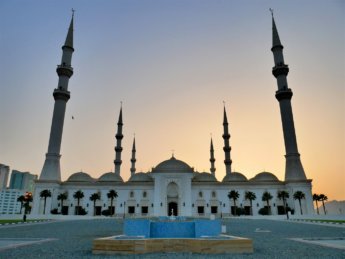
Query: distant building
(8,201)
(4,172)
(22,181)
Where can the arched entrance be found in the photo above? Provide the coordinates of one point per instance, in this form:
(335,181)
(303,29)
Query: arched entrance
(172,199)
(172,209)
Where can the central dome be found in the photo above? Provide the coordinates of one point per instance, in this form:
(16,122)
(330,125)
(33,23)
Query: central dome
(172,165)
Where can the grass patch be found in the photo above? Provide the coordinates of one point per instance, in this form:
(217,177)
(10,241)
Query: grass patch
(9,221)
(327,220)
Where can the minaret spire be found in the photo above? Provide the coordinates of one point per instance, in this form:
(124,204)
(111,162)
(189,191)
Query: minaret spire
(133,160)
(293,169)
(227,148)
(118,148)
(51,168)
(69,37)
(212,159)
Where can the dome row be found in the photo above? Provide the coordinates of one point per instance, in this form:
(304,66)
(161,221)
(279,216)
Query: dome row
(173,165)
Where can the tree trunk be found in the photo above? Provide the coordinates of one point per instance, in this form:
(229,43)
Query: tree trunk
(300,205)
(111,207)
(251,207)
(235,207)
(323,205)
(78,207)
(94,208)
(268,207)
(317,207)
(44,206)
(284,202)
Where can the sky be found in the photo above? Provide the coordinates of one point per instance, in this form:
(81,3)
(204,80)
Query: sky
(172,64)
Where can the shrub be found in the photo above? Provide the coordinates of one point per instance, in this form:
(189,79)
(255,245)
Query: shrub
(82,211)
(240,211)
(291,210)
(106,212)
(54,211)
(264,211)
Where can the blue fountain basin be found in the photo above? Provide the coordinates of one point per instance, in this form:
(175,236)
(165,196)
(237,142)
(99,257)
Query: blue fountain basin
(172,229)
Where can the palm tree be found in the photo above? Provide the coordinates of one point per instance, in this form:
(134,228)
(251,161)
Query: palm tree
(298,195)
(112,194)
(283,195)
(45,194)
(251,197)
(94,197)
(78,195)
(323,198)
(316,198)
(61,197)
(266,196)
(234,196)
(21,199)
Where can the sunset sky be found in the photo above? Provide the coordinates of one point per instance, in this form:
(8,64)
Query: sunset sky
(172,64)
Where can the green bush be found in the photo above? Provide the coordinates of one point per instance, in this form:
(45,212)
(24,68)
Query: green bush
(264,211)
(240,211)
(82,211)
(54,211)
(106,212)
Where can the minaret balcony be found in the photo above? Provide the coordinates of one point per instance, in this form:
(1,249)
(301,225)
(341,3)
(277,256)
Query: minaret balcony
(64,70)
(280,69)
(284,94)
(61,94)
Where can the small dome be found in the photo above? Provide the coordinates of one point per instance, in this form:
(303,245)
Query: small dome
(172,165)
(140,177)
(80,177)
(204,177)
(110,177)
(265,177)
(234,177)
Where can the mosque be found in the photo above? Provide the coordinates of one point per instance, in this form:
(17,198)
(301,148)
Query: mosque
(172,187)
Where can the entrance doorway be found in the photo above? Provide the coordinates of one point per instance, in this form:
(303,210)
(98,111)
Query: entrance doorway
(172,208)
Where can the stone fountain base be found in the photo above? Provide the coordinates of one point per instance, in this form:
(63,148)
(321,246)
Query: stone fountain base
(222,244)
(162,235)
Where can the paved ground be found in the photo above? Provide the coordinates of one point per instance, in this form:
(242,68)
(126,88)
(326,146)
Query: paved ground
(73,239)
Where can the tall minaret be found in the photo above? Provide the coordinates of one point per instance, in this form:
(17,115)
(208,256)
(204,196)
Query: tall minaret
(293,169)
(212,159)
(227,148)
(51,168)
(118,148)
(133,160)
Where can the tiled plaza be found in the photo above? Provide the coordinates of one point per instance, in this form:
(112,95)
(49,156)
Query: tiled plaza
(271,238)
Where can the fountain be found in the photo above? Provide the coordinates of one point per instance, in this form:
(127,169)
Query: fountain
(172,217)
(172,234)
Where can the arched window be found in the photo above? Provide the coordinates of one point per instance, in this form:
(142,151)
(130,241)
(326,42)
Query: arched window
(131,194)
(214,195)
(200,194)
(144,194)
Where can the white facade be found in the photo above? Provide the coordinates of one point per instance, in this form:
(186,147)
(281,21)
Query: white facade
(172,184)
(8,201)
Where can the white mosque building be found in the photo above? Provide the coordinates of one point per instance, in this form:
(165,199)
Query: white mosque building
(172,186)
